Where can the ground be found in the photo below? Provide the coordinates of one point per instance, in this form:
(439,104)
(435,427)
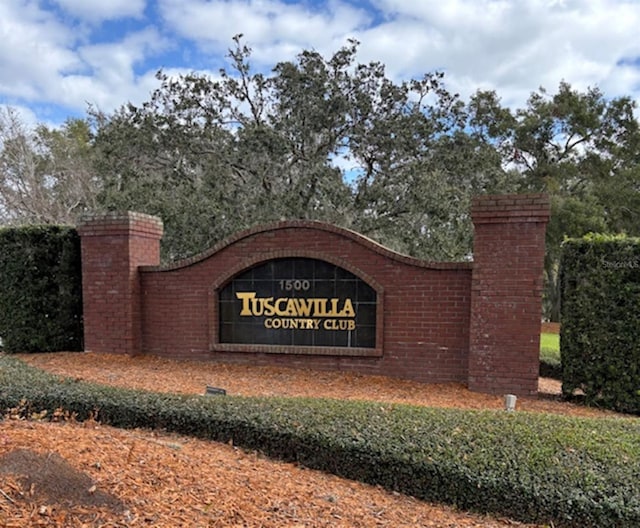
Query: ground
(67,474)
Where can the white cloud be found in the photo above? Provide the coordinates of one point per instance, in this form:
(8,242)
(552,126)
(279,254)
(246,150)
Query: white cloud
(45,62)
(510,46)
(275,30)
(35,48)
(116,59)
(513,47)
(100,10)
(66,56)
(111,79)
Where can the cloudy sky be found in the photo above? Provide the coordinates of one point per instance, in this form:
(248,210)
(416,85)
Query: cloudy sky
(58,56)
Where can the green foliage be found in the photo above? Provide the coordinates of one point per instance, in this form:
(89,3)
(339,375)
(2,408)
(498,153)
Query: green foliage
(320,138)
(336,140)
(581,148)
(600,333)
(332,139)
(40,289)
(571,472)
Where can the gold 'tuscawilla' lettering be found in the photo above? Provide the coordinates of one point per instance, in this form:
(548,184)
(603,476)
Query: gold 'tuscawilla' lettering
(294,307)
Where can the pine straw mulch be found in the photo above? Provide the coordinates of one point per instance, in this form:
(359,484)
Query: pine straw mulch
(67,474)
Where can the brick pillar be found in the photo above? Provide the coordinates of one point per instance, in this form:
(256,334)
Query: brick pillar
(113,246)
(506,295)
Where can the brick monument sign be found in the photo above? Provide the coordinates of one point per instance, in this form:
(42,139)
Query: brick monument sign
(309,294)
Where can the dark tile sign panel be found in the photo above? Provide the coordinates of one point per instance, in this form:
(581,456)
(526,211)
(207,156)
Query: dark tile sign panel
(298,302)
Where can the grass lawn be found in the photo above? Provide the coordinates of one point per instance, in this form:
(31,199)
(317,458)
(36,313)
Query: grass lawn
(550,348)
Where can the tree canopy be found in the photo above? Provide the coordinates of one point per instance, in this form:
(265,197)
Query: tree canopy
(332,139)
(46,175)
(583,150)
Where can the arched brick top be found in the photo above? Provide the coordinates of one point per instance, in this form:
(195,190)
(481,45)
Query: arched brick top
(315,225)
(265,257)
(475,322)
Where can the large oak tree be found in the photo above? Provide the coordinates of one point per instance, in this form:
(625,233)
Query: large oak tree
(332,139)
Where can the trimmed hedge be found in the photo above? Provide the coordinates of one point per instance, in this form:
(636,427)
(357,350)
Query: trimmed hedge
(600,332)
(40,289)
(573,472)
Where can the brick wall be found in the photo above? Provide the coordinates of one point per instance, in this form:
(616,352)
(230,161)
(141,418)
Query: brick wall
(437,322)
(114,245)
(506,298)
(423,309)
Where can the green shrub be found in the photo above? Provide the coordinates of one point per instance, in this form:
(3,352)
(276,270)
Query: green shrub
(530,467)
(600,332)
(40,289)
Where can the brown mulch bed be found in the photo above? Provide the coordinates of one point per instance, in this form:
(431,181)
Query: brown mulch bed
(69,474)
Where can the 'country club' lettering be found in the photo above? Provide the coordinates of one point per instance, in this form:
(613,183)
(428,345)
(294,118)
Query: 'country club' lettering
(307,313)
